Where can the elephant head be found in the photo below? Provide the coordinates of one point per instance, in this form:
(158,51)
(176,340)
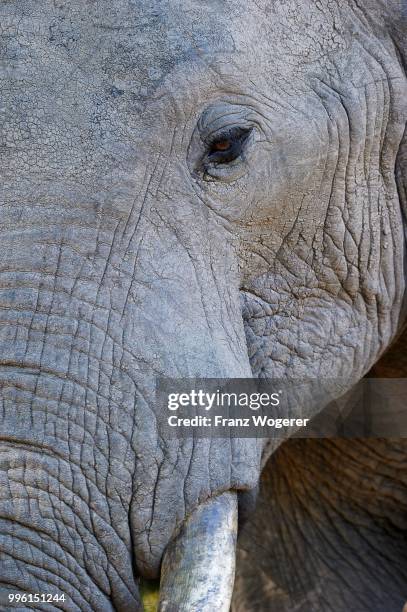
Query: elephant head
(188,190)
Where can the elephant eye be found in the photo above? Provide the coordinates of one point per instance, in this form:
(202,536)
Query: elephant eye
(222,145)
(227,147)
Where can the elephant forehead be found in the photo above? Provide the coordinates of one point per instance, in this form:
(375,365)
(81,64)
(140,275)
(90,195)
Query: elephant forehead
(141,42)
(78,75)
(152,39)
(145,39)
(85,53)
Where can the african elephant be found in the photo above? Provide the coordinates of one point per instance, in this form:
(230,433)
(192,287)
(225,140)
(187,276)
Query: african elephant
(188,189)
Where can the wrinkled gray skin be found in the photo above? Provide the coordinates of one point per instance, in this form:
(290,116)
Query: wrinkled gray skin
(121,259)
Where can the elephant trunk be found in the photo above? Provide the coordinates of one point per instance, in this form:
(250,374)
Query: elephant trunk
(199,564)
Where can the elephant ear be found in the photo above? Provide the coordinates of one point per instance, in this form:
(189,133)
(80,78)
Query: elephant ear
(397,18)
(401,176)
(399,34)
(392,14)
(397,11)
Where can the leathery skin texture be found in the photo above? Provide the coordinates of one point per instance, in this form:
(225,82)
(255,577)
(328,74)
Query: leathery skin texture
(130,250)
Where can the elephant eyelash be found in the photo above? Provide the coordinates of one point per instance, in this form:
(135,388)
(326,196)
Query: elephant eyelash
(227,146)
